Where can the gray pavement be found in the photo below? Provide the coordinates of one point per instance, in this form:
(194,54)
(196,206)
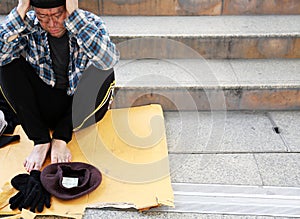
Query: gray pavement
(288,123)
(250,154)
(218,132)
(231,169)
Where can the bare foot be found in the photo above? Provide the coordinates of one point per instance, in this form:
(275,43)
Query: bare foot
(60,152)
(37,157)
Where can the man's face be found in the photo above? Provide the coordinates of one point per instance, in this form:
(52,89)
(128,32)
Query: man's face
(52,20)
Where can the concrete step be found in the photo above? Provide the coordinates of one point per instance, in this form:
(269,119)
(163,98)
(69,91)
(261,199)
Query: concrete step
(199,7)
(199,84)
(210,36)
(180,7)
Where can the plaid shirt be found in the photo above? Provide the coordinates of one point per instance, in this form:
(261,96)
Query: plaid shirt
(89,44)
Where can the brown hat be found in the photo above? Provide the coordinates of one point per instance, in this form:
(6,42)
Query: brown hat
(70,180)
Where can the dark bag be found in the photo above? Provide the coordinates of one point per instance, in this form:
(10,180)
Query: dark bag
(9,115)
(8,123)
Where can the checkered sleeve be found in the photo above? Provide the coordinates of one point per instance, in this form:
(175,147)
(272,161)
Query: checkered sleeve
(93,37)
(11,46)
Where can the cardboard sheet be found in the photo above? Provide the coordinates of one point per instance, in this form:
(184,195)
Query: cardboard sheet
(128,146)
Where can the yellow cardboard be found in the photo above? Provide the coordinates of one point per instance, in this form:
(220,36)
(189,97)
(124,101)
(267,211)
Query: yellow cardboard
(128,146)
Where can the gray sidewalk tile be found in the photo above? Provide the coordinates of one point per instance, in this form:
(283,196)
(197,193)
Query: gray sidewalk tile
(289,124)
(193,132)
(236,169)
(279,169)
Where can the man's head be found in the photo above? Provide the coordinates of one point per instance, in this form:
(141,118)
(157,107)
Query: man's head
(51,15)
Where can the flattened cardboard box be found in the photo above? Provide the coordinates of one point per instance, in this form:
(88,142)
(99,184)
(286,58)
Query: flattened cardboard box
(128,146)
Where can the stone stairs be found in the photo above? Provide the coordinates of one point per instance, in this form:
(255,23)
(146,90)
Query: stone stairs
(216,62)
(229,84)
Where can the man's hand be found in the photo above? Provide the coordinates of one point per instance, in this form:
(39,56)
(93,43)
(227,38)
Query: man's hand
(71,5)
(23,7)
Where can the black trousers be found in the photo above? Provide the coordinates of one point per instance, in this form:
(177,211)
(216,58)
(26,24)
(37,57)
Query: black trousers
(41,108)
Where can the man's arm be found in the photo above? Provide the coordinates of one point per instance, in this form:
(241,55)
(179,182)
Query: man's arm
(71,5)
(23,7)
(10,43)
(91,35)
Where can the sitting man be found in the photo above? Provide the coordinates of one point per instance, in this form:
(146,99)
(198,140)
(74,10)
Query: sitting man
(44,52)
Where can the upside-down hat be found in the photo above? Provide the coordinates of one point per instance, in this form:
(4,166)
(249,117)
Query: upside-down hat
(47,3)
(88,177)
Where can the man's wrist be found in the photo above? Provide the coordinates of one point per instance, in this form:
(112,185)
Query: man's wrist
(71,6)
(22,11)
(70,11)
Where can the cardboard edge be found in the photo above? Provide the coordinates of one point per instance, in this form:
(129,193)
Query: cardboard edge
(120,205)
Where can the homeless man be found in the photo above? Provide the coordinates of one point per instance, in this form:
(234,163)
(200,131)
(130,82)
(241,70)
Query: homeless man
(43,54)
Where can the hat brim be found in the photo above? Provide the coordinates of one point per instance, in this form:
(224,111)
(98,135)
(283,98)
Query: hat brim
(89,178)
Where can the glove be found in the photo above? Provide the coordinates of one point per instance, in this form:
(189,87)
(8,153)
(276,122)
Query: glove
(19,182)
(36,195)
(32,194)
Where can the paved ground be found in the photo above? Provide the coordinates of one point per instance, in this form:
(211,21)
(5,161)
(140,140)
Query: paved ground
(243,149)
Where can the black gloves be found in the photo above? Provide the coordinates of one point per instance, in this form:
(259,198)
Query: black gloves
(18,182)
(31,192)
